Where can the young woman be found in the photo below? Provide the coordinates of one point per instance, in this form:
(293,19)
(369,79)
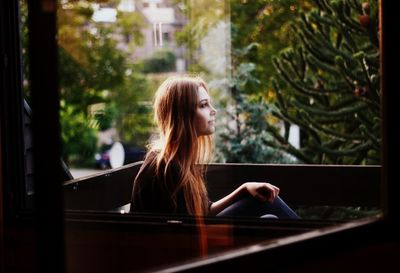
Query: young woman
(171,179)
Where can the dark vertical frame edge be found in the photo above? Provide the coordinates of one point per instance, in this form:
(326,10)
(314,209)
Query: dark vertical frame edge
(48,203)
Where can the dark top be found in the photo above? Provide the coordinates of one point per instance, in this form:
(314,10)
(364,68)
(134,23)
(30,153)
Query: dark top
(152,193)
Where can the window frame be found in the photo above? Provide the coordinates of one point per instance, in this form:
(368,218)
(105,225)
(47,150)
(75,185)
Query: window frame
(50,218)
(11,117)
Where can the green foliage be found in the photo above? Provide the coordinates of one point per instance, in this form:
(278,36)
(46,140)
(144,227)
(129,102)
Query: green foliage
(24,49)
(161,61)
(259,29)
(106,117)
(330,84)
(78,137)
(246,139)
(93,71)
(134,118)
(85,81)
(252,44)
(130,25)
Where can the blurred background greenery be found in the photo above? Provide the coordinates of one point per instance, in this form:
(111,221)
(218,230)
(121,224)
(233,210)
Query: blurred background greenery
(294,81)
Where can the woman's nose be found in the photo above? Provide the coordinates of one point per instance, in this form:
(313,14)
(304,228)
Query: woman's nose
(213,111)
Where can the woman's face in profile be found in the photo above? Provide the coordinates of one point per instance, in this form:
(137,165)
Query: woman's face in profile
(205,114)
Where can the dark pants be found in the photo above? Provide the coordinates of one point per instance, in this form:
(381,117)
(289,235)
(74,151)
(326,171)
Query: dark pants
(251,207)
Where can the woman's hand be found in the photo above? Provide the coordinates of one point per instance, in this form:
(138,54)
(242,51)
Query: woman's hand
(265,192)
(262,191)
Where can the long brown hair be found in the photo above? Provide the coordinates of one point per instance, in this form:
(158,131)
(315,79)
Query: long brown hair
(175,105)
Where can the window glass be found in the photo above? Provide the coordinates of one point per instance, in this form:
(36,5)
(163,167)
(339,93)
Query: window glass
(294,82)
(299,84)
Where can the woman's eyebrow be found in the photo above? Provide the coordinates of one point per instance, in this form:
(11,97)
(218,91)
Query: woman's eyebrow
(203,100)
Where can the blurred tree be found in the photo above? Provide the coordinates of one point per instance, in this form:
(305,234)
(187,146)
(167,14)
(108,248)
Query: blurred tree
(331,84)
(253,44)
(267,34)
(24,44)
(106,117)
(91,66)
(201,16)
(93,69)
(78,135)
(161,61)
(245,137)
(134,117)
(130,25)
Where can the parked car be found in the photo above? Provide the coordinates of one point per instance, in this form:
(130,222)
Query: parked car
(117,154)
(102,158)
(134,154)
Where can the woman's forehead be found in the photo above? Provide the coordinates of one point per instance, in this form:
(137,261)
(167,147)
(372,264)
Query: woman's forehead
(203,94)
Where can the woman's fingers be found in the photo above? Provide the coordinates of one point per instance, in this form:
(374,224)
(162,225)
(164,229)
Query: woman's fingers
(276,190)
(265,192)
(273,190)
(272,195)
(261,197)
